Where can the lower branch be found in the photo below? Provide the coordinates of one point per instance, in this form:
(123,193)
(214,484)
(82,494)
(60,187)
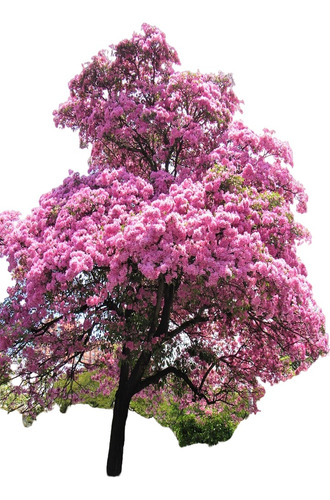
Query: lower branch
(153,379)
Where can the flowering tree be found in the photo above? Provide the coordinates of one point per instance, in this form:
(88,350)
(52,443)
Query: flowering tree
(174,258)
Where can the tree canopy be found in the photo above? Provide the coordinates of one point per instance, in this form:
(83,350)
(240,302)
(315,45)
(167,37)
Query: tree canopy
(174,260)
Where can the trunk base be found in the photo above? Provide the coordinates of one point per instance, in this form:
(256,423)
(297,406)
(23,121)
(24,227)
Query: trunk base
(114,470)
(117,438)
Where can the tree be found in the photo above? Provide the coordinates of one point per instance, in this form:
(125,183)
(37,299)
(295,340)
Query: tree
(174,258)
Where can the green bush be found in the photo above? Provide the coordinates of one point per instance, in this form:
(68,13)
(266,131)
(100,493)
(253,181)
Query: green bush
(87,390)
(211,429)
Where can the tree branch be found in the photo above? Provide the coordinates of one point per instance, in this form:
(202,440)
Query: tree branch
(153,379)
(212,365)
(160,295)
(165,317)
(186,324)
(156,377)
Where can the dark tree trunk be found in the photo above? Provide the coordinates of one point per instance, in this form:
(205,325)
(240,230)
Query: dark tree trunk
(128,386)
(117,437)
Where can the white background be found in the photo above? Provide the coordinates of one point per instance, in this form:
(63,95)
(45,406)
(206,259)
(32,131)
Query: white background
(278,52)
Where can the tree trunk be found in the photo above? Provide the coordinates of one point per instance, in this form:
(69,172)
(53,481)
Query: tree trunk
(117,437)
(126,389)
